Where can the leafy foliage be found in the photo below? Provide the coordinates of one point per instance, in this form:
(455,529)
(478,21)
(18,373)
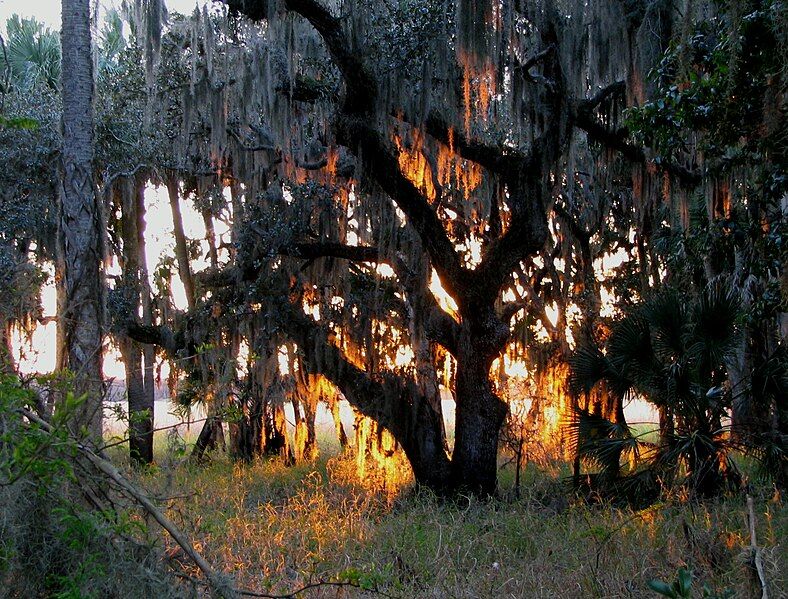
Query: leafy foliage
(671,351)
(56,539)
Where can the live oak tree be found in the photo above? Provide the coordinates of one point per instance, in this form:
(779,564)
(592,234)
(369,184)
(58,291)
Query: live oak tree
(436,144)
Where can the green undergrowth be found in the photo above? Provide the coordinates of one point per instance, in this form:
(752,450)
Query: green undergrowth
(273,529)
(64,532)
(276,528)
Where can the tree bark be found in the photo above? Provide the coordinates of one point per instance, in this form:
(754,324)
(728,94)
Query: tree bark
(139,383)
(210,236)
(143,429)
(211,437)
(80,232)
(7,365)
(337,417)
(181,247)
(479,417)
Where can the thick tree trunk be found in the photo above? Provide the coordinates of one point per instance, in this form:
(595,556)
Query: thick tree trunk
(80,232)
(241,439)
(479,417)
(425,446)
(305,435)
(276,441)
(211,437)
(305,397)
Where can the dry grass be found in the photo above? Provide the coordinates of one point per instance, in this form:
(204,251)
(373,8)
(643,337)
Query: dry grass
(275,528)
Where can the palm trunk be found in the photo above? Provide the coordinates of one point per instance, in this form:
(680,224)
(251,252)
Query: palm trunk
(80,232)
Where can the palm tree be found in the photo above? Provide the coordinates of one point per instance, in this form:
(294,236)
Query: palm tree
(671,351)
(31,54)
(80,233)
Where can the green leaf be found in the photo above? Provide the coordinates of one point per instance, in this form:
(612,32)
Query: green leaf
(684,582)
(19,122)
(663,588)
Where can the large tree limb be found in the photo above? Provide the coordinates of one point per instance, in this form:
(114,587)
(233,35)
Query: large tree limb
(357,132)
(525,68)
(442,328)
(383,165)
(527,231)
(393,401)
(616,139)
(497,159)
(439,326)
(172,342)
(361,88)
(529,189)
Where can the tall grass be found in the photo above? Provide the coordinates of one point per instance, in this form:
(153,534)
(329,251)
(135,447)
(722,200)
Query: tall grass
(276,528)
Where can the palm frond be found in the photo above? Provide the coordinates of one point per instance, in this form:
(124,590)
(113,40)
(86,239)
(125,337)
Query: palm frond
(631,355)
(714,323)
(33,52)
(601,441)
(666,315)
(588,366)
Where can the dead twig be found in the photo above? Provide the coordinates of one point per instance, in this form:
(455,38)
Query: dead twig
(757,558)
(314,585)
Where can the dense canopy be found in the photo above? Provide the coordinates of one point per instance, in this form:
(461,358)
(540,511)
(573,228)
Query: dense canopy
(428,201)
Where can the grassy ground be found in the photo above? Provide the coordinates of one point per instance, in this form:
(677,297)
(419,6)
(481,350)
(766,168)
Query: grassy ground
(276,528)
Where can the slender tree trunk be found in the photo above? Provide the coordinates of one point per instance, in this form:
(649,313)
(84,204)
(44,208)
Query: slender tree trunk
(181,247)
(139,383)
(131,354)
(210,236)
(143,429)
(336,416)
(80,233)
(7,365)
(310,414)
(276,441)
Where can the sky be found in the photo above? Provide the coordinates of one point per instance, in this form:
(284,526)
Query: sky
(48,11)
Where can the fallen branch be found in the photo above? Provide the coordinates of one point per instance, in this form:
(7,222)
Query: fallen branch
(214,580)
(121,441)
(308,587)
(756,552)
(216,583)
